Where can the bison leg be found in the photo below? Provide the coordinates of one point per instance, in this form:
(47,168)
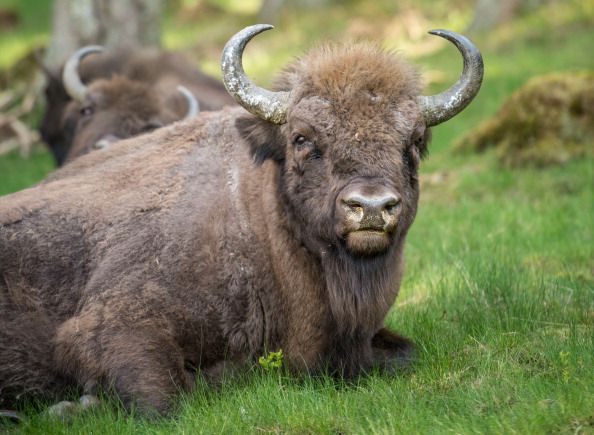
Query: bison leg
(26,367)
(391,351)
(66,409)
(141,362)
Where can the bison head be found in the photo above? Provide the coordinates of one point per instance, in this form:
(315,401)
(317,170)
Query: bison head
(57,99)
(116,108)
(348,127)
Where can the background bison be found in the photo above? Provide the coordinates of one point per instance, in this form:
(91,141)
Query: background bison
(126,93)
(214,240)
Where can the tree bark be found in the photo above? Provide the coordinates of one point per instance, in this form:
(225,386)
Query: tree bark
(490,13)
(110,23)
(271,10)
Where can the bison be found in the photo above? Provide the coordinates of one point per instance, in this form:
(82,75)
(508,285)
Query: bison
(128,94)
(210,242)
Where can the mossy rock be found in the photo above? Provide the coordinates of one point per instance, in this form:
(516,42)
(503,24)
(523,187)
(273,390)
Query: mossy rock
(550,120)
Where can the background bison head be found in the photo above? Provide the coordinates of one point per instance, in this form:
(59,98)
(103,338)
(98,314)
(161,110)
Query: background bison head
(54,132)
(135,92)
(116,108)
(349,127)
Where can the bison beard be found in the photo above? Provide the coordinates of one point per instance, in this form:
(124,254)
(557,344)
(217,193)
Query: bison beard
(358,288)
(209,242)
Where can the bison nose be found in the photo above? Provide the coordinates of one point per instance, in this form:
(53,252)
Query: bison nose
(376,209)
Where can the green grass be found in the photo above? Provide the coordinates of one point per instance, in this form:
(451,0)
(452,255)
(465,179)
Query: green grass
(17,173)
(498,293)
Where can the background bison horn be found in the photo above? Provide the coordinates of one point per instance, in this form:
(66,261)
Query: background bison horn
(193,105)
(72,83)
(267,105)
(441,107)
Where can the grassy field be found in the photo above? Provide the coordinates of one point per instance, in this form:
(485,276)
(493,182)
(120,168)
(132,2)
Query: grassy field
(499,289)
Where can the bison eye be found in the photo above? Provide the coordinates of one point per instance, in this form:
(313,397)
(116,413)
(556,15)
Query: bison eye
(86,111)
(299,140)
(418,137)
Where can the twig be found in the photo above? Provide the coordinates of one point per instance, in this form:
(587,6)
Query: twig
(24,137)
(24,134)
(5,99)
(8,145)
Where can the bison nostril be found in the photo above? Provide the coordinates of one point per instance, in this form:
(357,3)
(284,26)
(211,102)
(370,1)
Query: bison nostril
(391,204)
(354,210)
(353,204)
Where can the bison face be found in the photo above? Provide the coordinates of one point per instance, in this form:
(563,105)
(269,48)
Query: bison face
(349,175)
(113,109)
(116,108)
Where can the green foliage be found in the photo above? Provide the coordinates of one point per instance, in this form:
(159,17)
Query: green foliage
(550,120)
(271,361)
(33,22)
(17,173)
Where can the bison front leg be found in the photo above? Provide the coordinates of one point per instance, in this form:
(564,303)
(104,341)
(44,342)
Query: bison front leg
(139,360)
(391,351)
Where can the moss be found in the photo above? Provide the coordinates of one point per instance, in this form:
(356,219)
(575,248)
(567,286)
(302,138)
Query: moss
(548,121)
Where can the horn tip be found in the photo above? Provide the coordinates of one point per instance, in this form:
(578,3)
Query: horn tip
(258,28)
(89,49)
(441,32)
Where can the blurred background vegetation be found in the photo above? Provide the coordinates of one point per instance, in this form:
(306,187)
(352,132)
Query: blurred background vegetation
(519,40)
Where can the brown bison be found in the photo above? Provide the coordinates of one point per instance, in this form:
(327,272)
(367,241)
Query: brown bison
(212,241)
(128,94)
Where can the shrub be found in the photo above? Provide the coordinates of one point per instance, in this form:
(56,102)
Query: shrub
(550,120)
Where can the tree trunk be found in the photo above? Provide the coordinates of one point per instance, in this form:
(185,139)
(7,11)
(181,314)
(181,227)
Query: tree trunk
(490,13)
(110,23)
(271,10)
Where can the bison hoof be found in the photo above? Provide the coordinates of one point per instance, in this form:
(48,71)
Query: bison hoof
(88,401)
(66,409)
(63,410)
(391,351)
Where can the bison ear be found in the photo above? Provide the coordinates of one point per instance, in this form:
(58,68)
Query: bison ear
(424,146)
(264,138)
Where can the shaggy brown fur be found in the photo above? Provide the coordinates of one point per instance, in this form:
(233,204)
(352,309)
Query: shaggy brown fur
(147,78)
(214,240)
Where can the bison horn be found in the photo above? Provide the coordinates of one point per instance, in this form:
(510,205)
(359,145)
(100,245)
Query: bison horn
(72,83)
(267,105)
(441,107)
(193,105)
